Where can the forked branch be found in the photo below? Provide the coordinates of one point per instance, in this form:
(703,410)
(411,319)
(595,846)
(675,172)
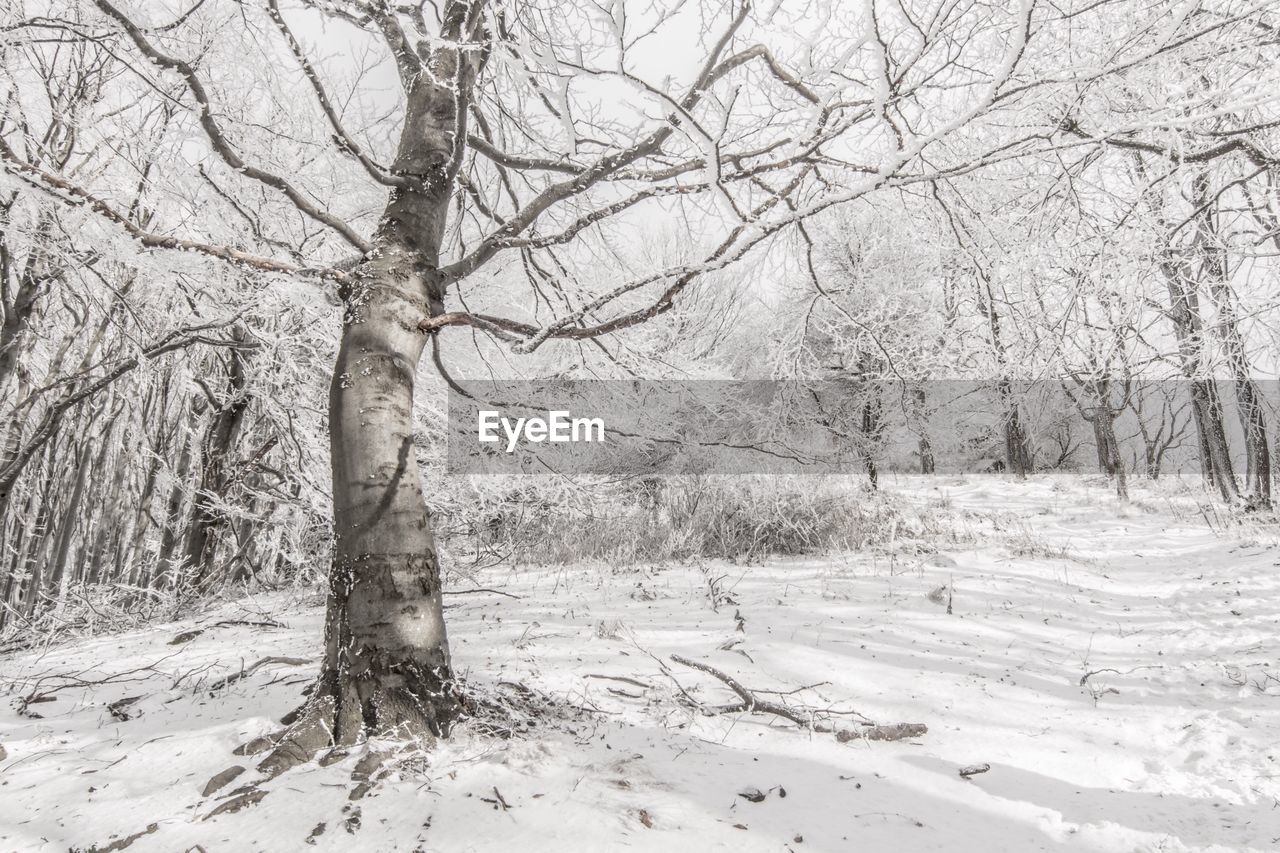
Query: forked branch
(217,138)
(752,703)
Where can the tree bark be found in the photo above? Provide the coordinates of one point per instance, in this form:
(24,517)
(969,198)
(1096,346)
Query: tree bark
(870,427)
(1100,446)
(386,651)
(168,566)
(1017,448)
(219,441)
(1184,312)
(387,667)
(928,464)
(1215,452)
(1257,482)
(1116,461)
(1104,427)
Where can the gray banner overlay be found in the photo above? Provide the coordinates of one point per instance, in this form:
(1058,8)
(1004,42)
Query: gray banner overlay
(640,428)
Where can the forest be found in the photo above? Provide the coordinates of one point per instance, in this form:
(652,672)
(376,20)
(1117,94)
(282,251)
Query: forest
(639,424)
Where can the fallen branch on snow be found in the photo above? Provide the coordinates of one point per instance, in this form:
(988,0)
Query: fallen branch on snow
(249,670)
(188,636)
(885,731)
(624,679)
(480,589)
(804,717)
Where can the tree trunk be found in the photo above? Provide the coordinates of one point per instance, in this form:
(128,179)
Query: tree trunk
(1017,451)
(870,428)
(168,567)
(20,308)
(58,573)
(386,668)
(23,525)
(1184,312)
(1100,441)
(1257,483)
(33,562)
(1104,425)
(1257,451)
(219,441)
(386,652)
(1216,452)
(924,445)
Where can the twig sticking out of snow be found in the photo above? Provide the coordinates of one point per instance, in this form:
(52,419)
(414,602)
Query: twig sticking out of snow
(67,681)
(804,717)
(1084,679)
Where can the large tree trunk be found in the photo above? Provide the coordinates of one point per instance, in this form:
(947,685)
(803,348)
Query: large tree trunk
(386,652)
(386,668)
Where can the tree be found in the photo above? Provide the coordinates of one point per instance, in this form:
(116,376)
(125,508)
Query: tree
(867,321)
(979,267)
(522,134)
(1188,168)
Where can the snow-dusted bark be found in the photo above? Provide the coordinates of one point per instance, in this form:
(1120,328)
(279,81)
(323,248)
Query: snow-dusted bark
(1213,270)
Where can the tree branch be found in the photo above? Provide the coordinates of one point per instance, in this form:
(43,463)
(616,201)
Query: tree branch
(73,195)
(344,140)
(803,717)
(218,139)
(1246,146)
(606,165)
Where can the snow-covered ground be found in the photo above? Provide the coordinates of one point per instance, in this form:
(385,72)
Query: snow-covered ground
(1118,667)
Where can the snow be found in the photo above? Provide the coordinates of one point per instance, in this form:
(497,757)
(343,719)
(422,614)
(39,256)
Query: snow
(1172,742)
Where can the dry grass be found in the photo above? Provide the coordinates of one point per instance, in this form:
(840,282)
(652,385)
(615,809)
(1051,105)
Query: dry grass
(740,519)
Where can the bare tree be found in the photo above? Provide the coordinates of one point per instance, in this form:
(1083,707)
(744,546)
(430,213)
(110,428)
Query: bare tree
(500,154)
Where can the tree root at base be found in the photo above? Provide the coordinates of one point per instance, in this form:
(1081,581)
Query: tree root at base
(329,729)
(392,724)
